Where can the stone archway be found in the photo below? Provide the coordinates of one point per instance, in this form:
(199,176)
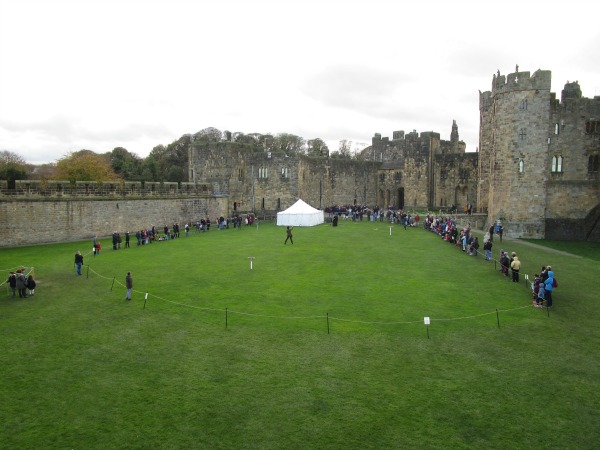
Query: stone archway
(400,199)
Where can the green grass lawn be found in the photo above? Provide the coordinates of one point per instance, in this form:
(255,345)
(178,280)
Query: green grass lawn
(321,345)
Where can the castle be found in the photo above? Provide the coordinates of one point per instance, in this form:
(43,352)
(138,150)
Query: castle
(536,172)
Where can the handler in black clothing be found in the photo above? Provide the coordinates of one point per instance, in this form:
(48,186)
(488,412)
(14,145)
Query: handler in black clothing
(289,235)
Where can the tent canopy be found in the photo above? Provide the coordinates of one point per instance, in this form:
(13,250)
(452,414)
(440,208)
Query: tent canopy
(300,214)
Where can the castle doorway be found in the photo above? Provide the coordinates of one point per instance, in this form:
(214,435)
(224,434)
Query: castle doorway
(400,202)
(380,199)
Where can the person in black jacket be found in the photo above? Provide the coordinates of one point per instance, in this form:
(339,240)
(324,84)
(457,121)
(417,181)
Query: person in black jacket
(12,282)
(78,261)
(30,284)
(128,285)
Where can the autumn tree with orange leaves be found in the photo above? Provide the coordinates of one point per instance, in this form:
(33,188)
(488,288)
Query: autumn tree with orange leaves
(85,165)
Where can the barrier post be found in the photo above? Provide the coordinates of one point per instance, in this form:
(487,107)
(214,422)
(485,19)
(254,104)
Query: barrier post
(145,298)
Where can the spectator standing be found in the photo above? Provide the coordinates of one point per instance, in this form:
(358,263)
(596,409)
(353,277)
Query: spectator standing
(487,246)
(12,282)
(549,286)
(541,295)
(31,284)
(21,283)
(78,261)
(515,266)
(128,285)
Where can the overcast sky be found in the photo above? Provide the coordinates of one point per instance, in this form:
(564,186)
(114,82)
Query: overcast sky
(97,75)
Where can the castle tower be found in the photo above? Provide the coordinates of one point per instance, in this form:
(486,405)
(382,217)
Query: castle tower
(513,162)
(454,132)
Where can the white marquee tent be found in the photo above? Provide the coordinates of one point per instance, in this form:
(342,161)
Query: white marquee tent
(300,214)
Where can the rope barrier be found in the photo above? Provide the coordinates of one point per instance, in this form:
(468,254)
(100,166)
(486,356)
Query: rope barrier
(328,317)
(374,323)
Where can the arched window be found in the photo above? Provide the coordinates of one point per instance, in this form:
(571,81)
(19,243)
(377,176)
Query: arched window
(521,166)
(557,164)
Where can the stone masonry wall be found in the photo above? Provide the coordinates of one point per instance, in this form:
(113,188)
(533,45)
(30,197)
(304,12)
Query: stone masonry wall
(31,222)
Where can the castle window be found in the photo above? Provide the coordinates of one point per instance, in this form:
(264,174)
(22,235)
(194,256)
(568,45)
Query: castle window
(557,164)
(593,163)
(263,172)
(523,105)
(397,177)
(592,127)
(285,172)
(521,166)
(556,128)
(522,134)
(241,174)
(382,177)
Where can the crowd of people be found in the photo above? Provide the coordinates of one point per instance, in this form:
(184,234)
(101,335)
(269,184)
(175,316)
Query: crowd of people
(376,214)
(510,264)
(152,234)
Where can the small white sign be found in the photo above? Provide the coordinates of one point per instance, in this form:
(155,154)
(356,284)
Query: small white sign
(426,320)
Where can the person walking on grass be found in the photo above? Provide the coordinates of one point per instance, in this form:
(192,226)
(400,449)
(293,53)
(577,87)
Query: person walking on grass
(289,235)
(128,285)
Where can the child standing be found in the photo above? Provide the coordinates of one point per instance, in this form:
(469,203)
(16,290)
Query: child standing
(31,284)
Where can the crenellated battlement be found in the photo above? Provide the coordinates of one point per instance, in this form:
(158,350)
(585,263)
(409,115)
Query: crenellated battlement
(517,81)
(36,189)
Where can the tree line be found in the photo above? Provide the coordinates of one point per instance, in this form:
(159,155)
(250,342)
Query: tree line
(164,163)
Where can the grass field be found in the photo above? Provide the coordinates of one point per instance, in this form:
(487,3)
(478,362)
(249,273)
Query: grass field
(321,345)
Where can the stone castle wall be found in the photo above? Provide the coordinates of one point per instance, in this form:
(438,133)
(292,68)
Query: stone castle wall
(31,221)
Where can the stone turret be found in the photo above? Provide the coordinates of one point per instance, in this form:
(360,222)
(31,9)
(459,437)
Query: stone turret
(514,160)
